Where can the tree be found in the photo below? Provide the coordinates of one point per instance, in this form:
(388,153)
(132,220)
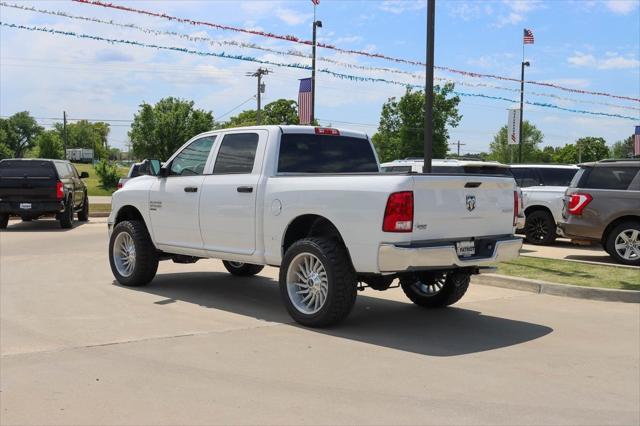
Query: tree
(18,133)
(623,148)
(159,130)
(591,149)
(49,145)
(84,134)
(401,130)
(501,151)
(568,154)
(282,111)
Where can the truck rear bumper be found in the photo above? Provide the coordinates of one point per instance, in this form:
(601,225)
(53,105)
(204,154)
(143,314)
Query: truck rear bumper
(395,258)
(36,207)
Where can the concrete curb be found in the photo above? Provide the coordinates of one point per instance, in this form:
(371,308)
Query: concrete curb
(99,214)
(566,290)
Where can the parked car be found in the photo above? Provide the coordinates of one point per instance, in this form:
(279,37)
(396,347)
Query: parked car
(602,205)
(543,187)
(313,202)
(456,166)
(134,171)
(31,188)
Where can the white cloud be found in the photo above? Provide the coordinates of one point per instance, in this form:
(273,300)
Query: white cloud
(622,7)
(292,17)
(400,6)
(612,61)
(516,11)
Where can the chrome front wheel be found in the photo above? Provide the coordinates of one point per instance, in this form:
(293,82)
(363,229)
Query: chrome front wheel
(124,254)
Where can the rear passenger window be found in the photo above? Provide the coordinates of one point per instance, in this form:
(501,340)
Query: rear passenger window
(525,177)
(611,177)
(237,153)
(556,177)
(396,169)
(64,172)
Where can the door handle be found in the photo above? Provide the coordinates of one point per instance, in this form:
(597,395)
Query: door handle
(190,189)
(245,189)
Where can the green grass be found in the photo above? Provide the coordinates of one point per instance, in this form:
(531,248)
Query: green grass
(100,208)
(93,182)
(575,273)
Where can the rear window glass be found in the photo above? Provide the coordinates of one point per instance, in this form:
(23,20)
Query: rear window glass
(610,177)
(446,169)
(27,168)
(310,153)
(488,170)
(396,169)
(525,177)
(556,177)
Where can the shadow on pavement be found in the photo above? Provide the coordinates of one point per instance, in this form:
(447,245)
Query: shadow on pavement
(388,323)
(40,225)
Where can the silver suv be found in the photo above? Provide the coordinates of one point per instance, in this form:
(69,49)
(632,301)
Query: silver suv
(602,205)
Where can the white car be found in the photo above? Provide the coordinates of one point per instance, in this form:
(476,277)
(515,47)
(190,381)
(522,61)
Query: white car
(455,166)
(313,202)
(543,187)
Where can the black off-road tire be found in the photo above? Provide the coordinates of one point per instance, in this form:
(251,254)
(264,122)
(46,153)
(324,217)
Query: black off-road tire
(242,269)
(66,217)
(455,286)
(342,281)
(147,259)
(4,220)
(540,228)
(611,240)
(83,214)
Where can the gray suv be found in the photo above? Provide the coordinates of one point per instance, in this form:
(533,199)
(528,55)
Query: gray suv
(602,205)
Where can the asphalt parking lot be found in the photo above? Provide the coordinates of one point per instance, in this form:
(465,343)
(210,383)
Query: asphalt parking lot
(199,346)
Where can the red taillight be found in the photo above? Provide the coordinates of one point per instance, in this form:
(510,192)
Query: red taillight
(398,216)
(119,185)
(516,204)
(578,202)
(59,190)
(327,131)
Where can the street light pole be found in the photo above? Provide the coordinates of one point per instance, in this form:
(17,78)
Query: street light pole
(524,64)
(428,88)
(316,24)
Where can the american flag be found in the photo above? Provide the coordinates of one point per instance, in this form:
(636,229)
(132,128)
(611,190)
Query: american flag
(316,2)
(304,101)
(528,36)
(636,142)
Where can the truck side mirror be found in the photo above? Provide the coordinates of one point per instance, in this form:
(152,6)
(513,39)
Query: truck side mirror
(84,175)
(149,167)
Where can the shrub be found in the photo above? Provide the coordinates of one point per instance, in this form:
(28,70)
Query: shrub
(108,174)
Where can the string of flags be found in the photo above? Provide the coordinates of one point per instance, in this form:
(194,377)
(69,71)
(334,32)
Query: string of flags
(375,55)
(335,74)
(292,52)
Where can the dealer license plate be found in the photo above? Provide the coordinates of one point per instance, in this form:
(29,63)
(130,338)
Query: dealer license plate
(25,206)
(466,248)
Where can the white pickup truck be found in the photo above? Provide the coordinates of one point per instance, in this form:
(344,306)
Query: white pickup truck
(313,202)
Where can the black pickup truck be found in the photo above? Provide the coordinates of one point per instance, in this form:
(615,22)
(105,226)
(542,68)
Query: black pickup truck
(31,188)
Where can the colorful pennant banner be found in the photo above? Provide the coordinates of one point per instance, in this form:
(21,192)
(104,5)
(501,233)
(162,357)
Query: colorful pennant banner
(295,39)
(288,65)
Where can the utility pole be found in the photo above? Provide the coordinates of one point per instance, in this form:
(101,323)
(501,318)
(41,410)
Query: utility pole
(64,132)
(428,88)
(524,64)
(316,24)
(259,73)
(458,143)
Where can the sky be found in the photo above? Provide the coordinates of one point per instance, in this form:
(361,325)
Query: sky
(591,45)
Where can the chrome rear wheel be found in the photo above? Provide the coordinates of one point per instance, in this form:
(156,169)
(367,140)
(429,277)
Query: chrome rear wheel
(307,283)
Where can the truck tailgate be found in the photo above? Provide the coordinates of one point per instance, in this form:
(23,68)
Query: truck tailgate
(27,180)
(461,206)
